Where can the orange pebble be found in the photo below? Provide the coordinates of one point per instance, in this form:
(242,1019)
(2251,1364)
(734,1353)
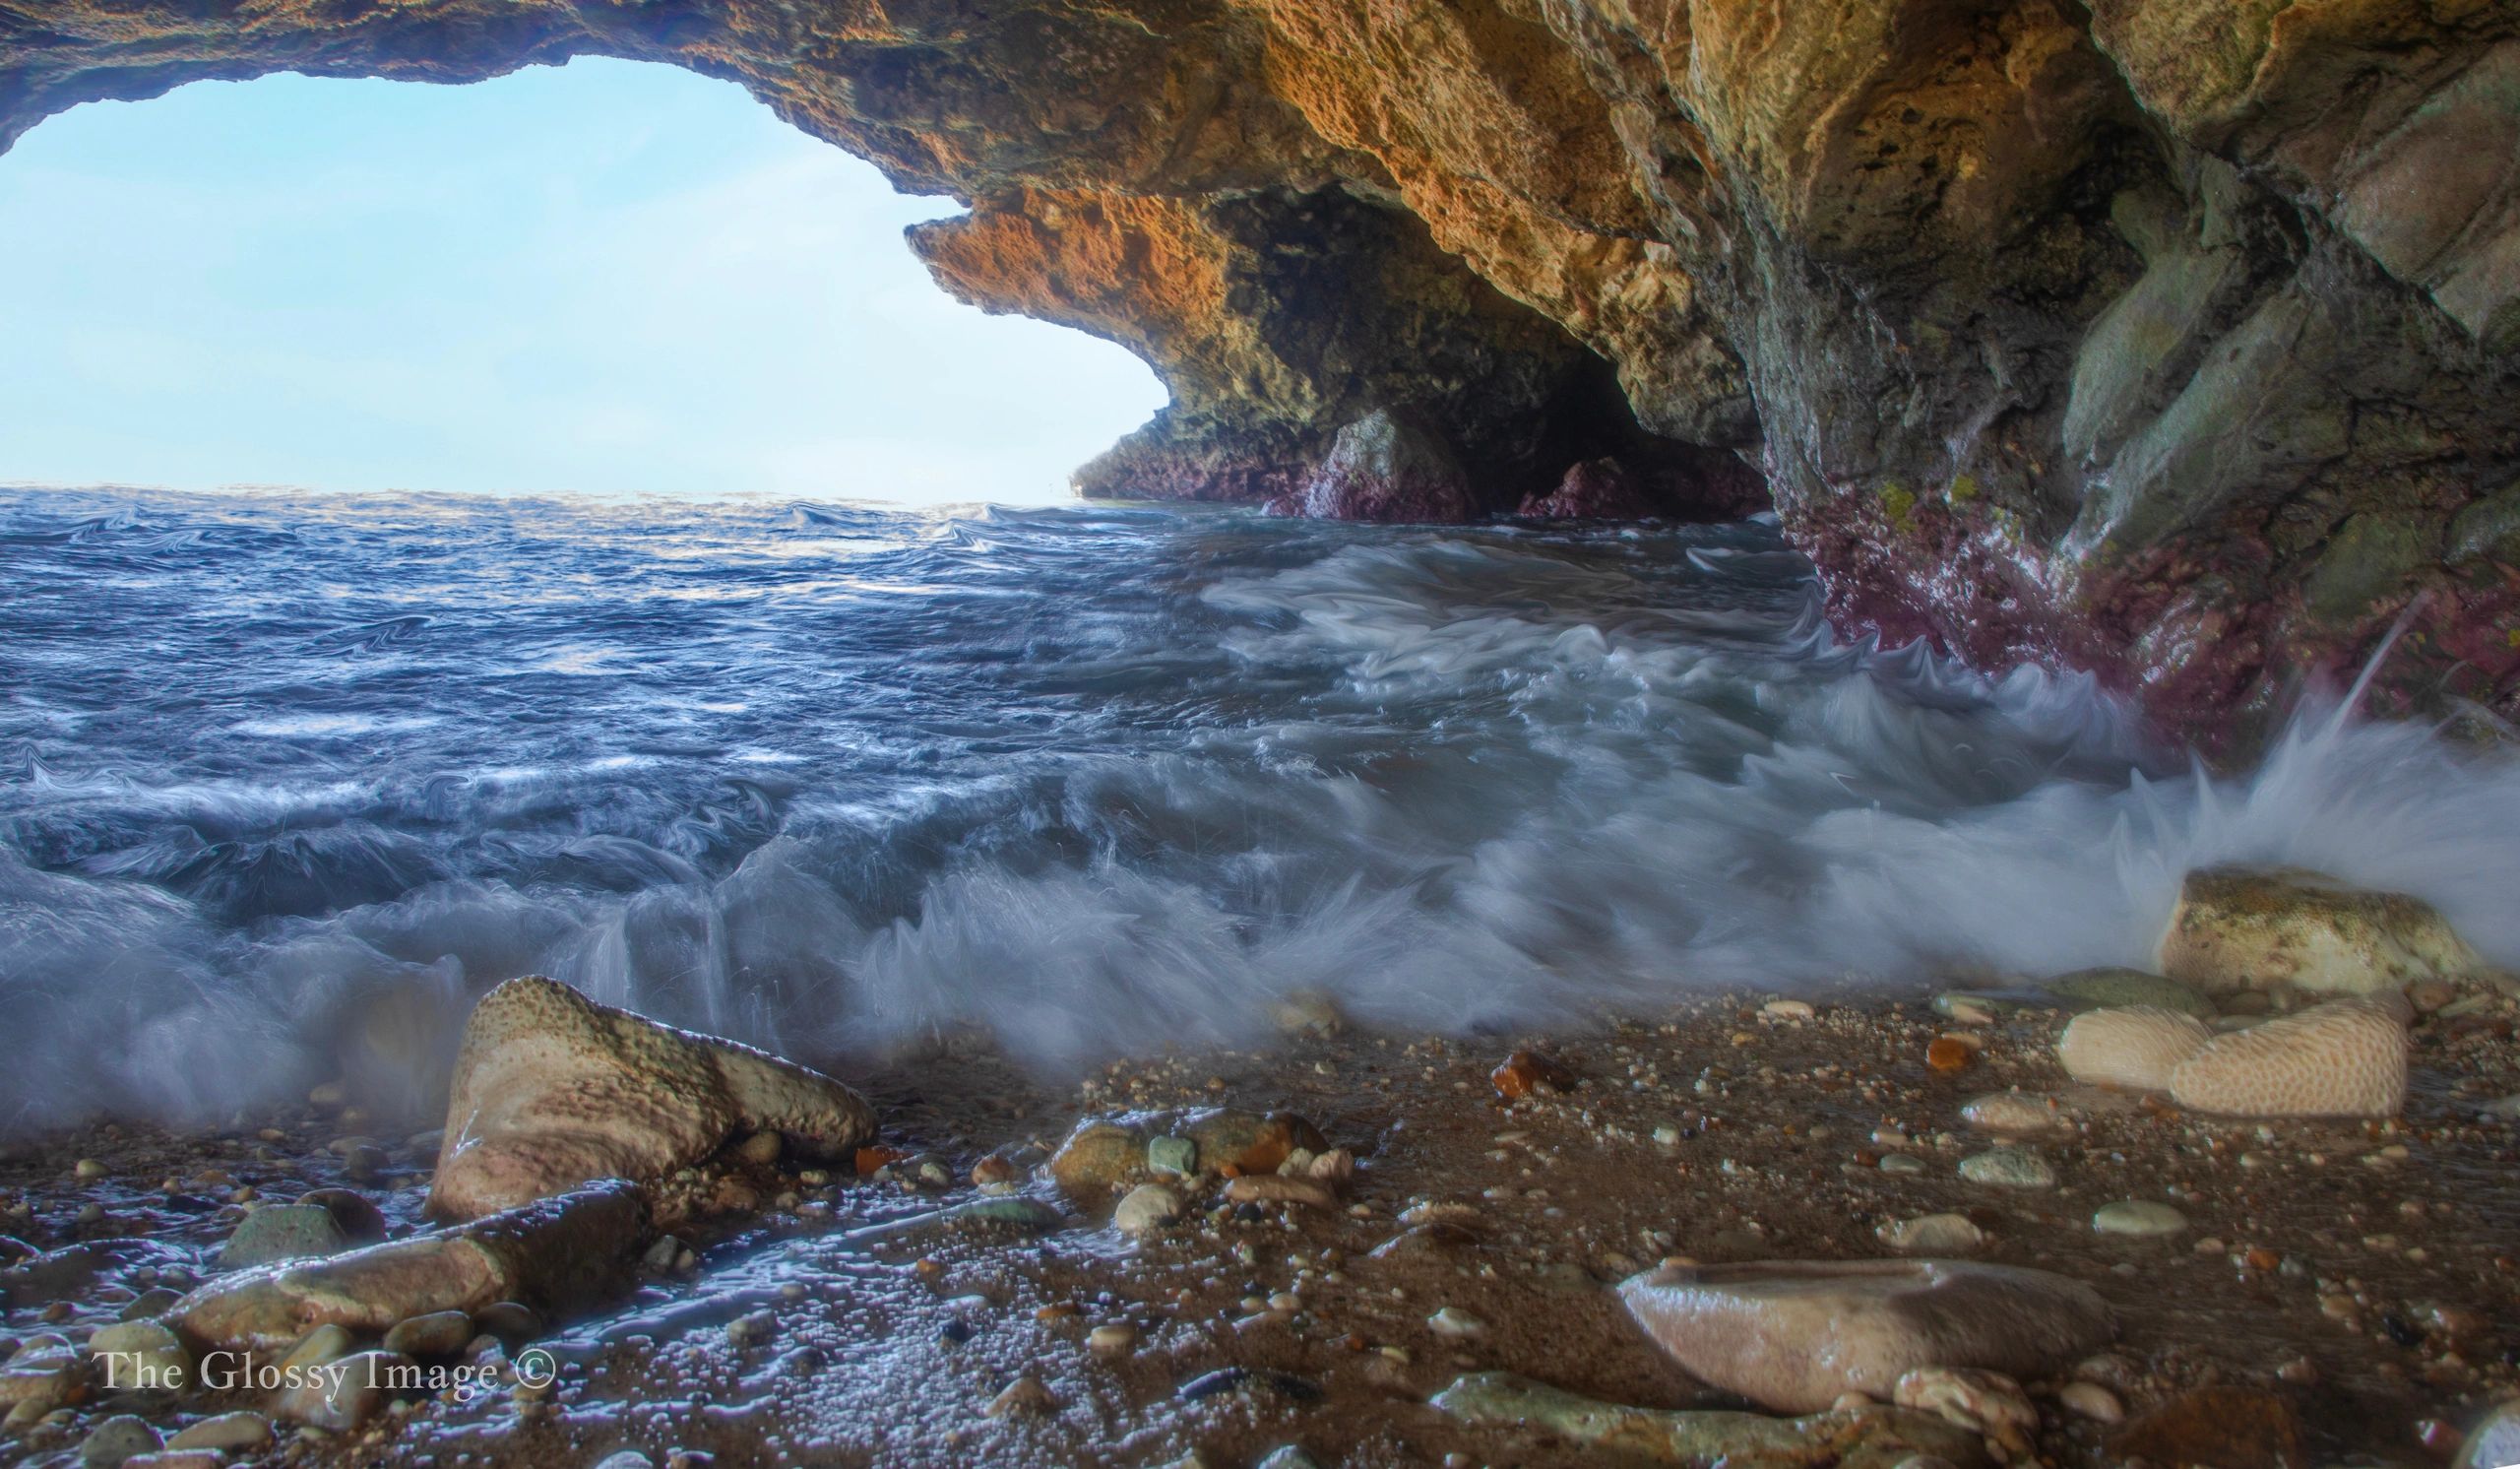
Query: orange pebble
(870,1159)
(1947,1056)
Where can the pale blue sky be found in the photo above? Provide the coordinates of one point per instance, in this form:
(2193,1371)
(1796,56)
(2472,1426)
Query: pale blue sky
(608,277)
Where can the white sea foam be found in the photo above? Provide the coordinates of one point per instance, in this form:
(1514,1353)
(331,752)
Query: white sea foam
(1086,781)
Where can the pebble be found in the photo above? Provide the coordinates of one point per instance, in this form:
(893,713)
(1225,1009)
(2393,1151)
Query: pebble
(141,1355)
(117,1439)
(244,1430)
(2012,1114)
(1932,1233)
(1172,1155)
(1112,1339)
(440,1333)
(751,1330)
(1288,1456)
(88,1169)
(1968,1009)
(1902,1163)
(2008,1167)
(1456,1324)
(1146,1209)
(628,1458)
(1947,1055)
(343,1399)
(1023,1397)
(509,1321)
(2138,1216)
(1788,1009)
(2092,1401)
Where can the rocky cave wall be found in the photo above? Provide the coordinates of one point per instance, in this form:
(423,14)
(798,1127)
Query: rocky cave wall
(2178,339)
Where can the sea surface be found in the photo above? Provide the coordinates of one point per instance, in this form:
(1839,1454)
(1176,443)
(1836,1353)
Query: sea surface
(285,778)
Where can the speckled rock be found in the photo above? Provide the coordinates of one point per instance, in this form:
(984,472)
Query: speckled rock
(1875,1437)
(2134,1047)
(2343,1058)
(2008,1167)
(1795,1335)
(569,1248)
(552,1090)
(2241,929)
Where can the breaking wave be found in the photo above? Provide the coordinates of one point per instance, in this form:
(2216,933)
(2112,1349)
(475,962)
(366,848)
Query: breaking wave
(286,779)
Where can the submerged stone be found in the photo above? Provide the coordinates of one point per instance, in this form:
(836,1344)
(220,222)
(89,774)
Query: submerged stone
(1795,1335)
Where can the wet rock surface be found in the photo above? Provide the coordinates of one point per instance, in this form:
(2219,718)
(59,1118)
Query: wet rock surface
(2353,1274)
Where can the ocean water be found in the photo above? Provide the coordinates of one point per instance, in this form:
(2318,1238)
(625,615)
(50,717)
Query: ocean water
(284,778)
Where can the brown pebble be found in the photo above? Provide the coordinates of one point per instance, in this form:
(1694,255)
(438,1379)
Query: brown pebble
(1528,1071)
(1947,1056)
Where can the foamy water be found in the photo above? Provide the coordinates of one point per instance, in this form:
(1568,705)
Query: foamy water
(837,779)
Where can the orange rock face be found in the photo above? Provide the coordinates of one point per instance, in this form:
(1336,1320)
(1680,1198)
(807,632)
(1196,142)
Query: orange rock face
(2130,335)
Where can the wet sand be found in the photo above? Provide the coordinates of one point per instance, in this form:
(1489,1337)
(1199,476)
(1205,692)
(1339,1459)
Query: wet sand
(2365,1274)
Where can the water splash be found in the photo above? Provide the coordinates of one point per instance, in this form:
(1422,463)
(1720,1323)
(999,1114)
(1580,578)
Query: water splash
(284,779)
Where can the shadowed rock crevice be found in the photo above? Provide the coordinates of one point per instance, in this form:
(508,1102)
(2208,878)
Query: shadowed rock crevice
(2169,339)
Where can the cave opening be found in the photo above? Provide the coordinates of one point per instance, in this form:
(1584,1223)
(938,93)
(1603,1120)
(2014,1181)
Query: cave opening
(608,277)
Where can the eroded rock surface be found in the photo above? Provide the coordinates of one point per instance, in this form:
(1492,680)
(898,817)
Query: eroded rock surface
(552,1090)
(2150,336)
(2240,928)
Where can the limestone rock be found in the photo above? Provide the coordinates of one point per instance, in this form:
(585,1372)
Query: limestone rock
(1875,1437)
(552,1090)
(1795,1335)
(2134,1047)
(2240,928)
(1390,467)
(2343,1058)
(558,1249)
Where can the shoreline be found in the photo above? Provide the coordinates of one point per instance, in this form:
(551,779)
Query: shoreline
(2357,1274)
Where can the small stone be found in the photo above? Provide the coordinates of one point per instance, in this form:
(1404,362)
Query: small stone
(751,1329)
(1983,1402)
(1146,1209)
(350,1393)
(1334,1168)
(2008,1167)
(1178,1156)
(237,1432)
(1948,1055)
(2144,1218)
(1788,1009)
(141,1355)
(439,1333)
(1288,1456)
(283,1231)
(1456,1324)
(1528,1073)
(995,1172)
(1932,1233)
(116,1439)
(88,1170)
(1112,1339)
(1902,1163)
(1312,1193)
(509,1321)
(1307,1012)
(1023,1397)
(1968,1009)
(626,1458)
(2092,1401)
(2013,1114)
(760,1149)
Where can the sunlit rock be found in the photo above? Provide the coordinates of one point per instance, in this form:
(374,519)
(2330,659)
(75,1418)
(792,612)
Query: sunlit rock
(2238,929)
(1795,1335)
(552,1090)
